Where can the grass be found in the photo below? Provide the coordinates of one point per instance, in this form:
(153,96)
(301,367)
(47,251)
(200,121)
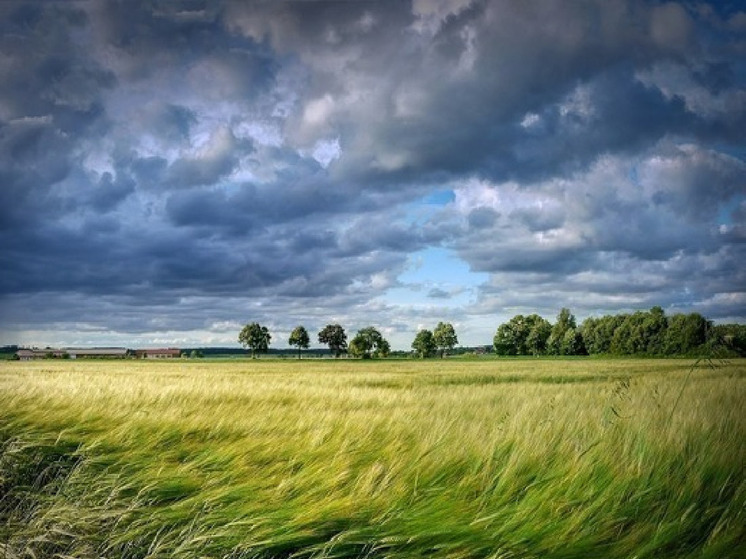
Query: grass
(441,458)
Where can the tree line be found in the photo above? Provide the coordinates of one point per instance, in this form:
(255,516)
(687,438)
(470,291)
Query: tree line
(368,342)
(639,333)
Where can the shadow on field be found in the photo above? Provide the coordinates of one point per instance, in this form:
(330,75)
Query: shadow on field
(472,380)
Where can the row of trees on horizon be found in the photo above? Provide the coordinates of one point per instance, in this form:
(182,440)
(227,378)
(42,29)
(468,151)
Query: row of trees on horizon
(367,343)
(639,333)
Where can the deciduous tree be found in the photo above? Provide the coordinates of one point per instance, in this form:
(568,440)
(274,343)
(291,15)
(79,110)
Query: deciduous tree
(685,333)
(522,335)
(506,340)
(256,337)
(369,341)
(640,333)
(572,343)
(445,337)
(334,336)
(538,335)
(299,338)
(424,343)
(565,322)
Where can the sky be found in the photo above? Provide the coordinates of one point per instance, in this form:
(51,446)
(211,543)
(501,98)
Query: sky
(170,171)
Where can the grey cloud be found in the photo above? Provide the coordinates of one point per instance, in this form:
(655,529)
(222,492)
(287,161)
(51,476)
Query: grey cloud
(216,160)
(438,293)
(208,208)
(153,29)
(111,191)
(697,182)
(623,239)
(528,259)
(51,101)
(716,77)
(482,218)
(33,156)
(682,283)
(538,219)
(46,71)
(380,232)
(173,122)
(739,213)
(150,171)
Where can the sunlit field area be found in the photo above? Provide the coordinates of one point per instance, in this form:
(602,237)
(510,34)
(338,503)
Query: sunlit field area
(322,458)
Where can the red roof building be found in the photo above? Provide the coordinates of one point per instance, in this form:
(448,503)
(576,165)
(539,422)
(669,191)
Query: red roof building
(165,353)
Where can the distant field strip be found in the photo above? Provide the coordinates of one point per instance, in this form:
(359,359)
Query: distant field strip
(319,458)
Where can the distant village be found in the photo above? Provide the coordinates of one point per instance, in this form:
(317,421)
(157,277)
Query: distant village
(97,353)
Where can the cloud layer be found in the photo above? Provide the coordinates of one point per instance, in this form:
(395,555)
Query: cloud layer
(171,170)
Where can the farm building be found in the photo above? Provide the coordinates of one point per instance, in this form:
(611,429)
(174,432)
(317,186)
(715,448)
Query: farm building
(72,353)
(104,352)
(29,354)
(167,353)
(46,353)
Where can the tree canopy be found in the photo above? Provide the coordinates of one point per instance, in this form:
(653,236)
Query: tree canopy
(638,333)
(299,338)
(369,342)
(255,337)
(334,336)
(522,335)
(445,337)
(424,344)
(560,342)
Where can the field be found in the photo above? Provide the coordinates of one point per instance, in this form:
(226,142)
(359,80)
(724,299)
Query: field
(437,458)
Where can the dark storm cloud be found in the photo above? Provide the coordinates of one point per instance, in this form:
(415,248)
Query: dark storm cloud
(457,105)
(173,122)
(32,154)
(111,191)
(50,101)
(183,153)
(45,71)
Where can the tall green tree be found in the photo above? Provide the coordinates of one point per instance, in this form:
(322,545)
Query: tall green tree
(445,337)
(654,328)
(589,330)
(731,337)
(383,348)
(335,337)
(255,337)
(510,337)
(598,333)
(685,333)
(522,335)
(538,335)
(641,333)
(424,344)
(572,343)
(299,338)
(565,322)
(369,341)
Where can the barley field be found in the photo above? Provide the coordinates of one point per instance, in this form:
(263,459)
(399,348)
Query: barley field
(321,458)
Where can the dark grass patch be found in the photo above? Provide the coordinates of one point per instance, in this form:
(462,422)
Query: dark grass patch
(472,380)
(32,473)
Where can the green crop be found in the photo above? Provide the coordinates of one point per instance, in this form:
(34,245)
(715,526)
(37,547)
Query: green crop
(322,458)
